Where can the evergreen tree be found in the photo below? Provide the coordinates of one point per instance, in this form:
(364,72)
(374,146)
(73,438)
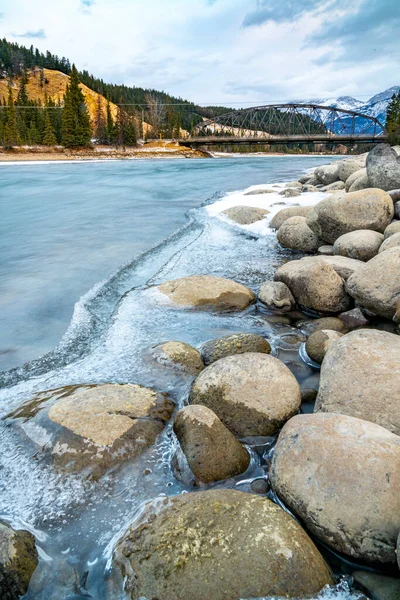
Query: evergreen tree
(99,123)
(49,137)
(76,130)
(109,125)
(10,136)
(393,119)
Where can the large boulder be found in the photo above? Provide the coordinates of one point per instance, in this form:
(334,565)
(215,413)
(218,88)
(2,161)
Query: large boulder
(361,183)
(327,174)
(18,560)
(179,355)
(355,177)
(253,394)
(346,168)
(332,187)
(319,342)
(286,213)
(276,296)
(377,286)
(360,377)
(391,229)
(383,168)
(330,323)
(391,242)
(290,192)
(379,587)
(212,451)
(245,215)
(295,234)
(315,285)
(207,292)
(341,477)
(218,544)
(337,215)
(236,343)
(360,245)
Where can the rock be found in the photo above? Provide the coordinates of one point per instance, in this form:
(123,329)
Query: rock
(327,173)
(258,192)
(360,245)
(337,215)
(180,355)
(391,229)
(215,544)
(379,587)
(260,486)
(325,250)
(276,296)
(377,286)
(308,395)
(336,185)
(304,178)
(293,184)
(245,215)
(252,393)
(309,188)
(341,477)
(318,343)
(395,195)
(397,210)
(383,168)
(286,213)
(290,192)
(18,560)
(212,451)
(315,285)
(346,168)
(355,177)
(296,235)
(360,377)
(391,242)
(362,183)
(330,323)
(236,343)
(207,292)
(343,265)
(354,318)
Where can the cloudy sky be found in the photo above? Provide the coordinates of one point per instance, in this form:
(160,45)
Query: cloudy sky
(221,51)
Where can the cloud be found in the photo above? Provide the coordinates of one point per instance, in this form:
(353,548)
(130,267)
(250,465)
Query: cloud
(280,11)
(39,34)
(87,3)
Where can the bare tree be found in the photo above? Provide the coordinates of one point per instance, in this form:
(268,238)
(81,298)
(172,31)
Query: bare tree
(156,114)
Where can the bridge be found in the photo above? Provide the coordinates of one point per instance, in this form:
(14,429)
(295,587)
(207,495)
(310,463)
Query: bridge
(287,124)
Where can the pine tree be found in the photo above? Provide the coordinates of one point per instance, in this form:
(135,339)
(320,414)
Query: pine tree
(10,136)
(109,124)
(177,129)
(76,130)
(49,137)
(99,123)
(393,119)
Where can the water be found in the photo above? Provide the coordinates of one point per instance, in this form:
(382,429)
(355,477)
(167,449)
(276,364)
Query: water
(68,226)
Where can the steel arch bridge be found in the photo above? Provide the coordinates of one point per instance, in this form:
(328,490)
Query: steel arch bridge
(289,123)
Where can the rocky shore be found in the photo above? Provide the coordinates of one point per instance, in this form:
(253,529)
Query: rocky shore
(332,473)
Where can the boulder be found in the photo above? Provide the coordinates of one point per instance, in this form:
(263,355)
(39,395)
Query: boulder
(315,285)
(318,343)
(258,192)
(18,560)
(391,242)
(305,178)
(236,343)
(391,229)
(362,183)
(293,184)
(308,395)
(212,451)
(379,587)
(327,174)
(341,477)
(346,168)
(377,286)
(276,296)
(354,318)
(216,544)
(325,250)
(179,355)
(295,234)
(355,177)
(395,195)
(330,323)
(343,265)
(252,393)
(360,377)
(207,292)
(337,215)
(307,188)
(245,215)
(360,245)
(336,185)
(397,210)
(290,192)
(286,213)
(383,168)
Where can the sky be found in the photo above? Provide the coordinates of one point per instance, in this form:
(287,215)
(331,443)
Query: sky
(232,52)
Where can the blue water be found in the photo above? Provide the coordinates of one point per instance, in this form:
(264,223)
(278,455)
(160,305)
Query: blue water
(65,227)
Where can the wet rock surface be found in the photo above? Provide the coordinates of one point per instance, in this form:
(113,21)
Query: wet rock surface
(360,245)
(18,561)
(245,215)
(295,234)
(276,296)
(287,213)
(179,355)
(200,545)
(237,343)
(319,342)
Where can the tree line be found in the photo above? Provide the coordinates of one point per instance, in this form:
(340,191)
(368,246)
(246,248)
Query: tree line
(393,119)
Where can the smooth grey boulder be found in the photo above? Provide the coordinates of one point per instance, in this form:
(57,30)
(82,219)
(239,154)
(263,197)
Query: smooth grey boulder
(341,477)
(343,265)
(397,210)
(245,215)
(362,183)
(179,355)
(337,215)
(336,185)
(293,184)
(287,213)
(330,323)
(216,544)
(295,234)
(305,178)
(319,342)
(276,296)
(212,451)
(360,377)
(252,393)
(259,191)
(354,177)
(354,318)
(18,561)
(395,195)
(391,242)
(383,168)
(346,168)
(360,245)
(327,174)
(391,229)
(325,250)
(290,192)
(379,587)
(308,188)
(236,343)
(377,286)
